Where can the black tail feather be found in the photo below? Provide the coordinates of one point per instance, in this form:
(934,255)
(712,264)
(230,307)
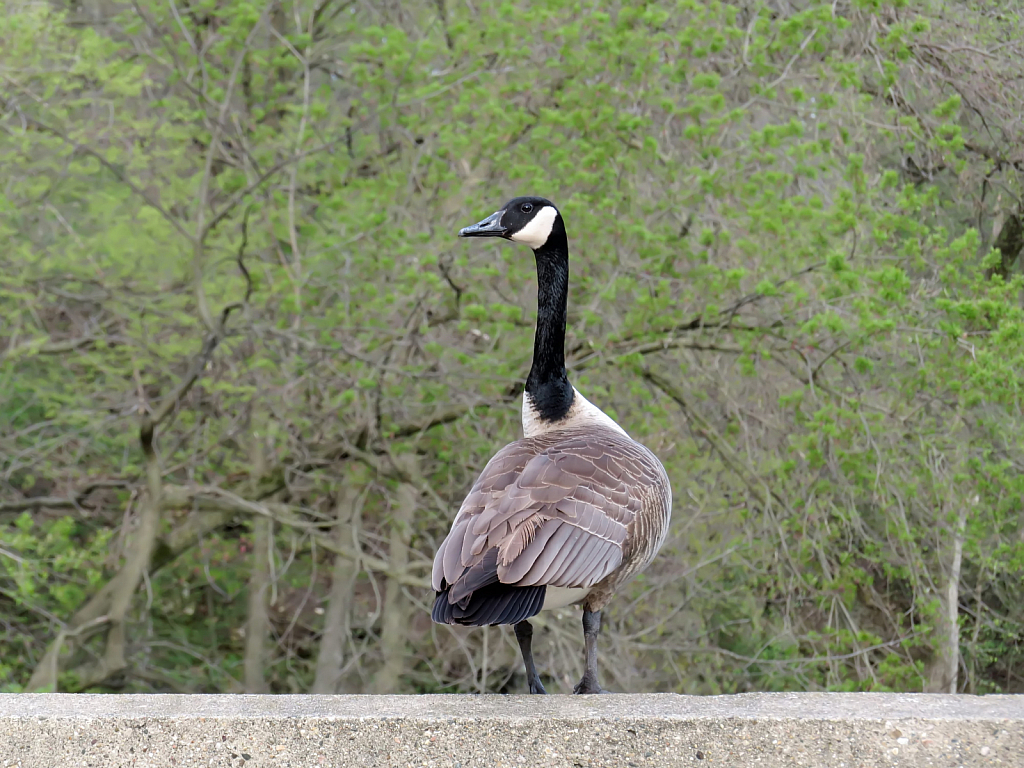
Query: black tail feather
(477,598)
(493,604)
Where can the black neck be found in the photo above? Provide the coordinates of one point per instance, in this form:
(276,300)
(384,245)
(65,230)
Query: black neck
(547,384)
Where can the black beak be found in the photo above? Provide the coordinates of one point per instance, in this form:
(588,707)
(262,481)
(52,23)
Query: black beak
(489,227)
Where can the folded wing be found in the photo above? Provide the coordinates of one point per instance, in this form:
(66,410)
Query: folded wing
(547,511)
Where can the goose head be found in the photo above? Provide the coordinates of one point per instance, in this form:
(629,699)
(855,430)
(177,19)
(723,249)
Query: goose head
(527,220)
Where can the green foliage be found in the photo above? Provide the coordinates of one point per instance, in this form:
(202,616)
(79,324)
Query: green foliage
(788,212)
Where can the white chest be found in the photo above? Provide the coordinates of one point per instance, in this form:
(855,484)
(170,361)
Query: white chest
(563,597)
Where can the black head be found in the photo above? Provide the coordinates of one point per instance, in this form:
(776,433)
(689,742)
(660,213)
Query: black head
(529,220)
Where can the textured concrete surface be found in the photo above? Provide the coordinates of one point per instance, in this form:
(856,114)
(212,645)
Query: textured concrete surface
(762,730)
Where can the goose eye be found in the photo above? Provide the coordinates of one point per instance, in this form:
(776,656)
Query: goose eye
(527,207)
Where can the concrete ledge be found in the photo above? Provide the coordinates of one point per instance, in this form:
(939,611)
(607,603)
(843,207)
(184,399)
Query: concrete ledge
(651,730)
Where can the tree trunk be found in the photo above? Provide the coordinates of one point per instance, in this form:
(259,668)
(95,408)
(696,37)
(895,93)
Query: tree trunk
(331,656)
(110,606)
(395,614)
(257,625)
(1008,239)
(944,665)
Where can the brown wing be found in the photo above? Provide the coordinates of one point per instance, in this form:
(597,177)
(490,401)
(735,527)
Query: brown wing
(553,510)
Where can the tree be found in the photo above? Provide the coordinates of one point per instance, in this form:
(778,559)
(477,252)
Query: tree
(249,373)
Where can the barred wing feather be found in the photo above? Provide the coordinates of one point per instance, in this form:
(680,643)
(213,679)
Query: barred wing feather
(555,510)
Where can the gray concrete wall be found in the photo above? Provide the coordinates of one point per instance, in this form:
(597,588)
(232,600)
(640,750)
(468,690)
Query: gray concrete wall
(762,730)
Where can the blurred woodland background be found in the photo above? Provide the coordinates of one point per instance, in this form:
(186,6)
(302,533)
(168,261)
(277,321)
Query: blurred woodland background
(248,372)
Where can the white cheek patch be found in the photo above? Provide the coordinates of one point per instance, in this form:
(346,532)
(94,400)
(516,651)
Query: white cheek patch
(536,233)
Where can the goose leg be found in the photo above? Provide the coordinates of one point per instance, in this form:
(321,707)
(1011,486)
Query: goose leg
(591,629)
(524,634)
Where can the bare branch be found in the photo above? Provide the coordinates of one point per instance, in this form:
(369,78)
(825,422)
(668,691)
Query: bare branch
(113,169)
(75,501)
(199,239)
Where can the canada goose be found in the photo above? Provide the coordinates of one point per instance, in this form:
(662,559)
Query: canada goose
(568,513)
